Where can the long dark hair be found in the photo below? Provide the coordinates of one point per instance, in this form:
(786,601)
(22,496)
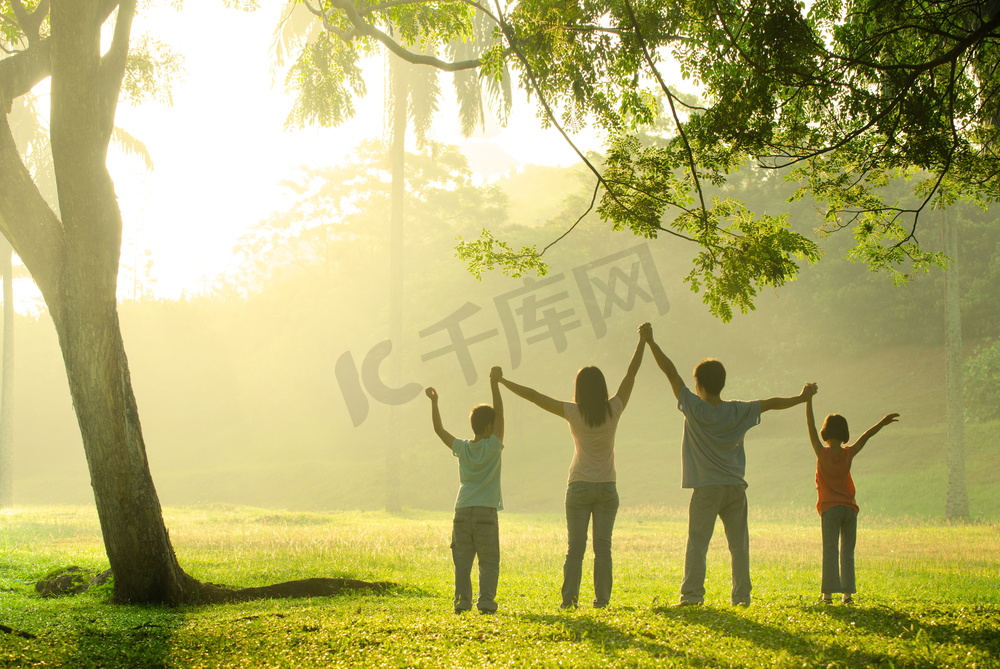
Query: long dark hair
(592,396)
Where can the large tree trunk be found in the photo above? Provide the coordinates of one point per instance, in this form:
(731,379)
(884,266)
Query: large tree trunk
(135,536)
(957,501)
(397,154)
(83,306)
(7,380)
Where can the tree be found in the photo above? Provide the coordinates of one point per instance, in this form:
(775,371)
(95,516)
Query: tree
(413,95)
(73,256)
(73,259)
(852,94)
(336,223)
(957,499)
(32,141)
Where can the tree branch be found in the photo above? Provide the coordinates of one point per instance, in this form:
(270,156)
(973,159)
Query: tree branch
(30,23)
(983,31)
(362,27)
(23,71)
(483,9)
(26,220)
(113,64)
(389,5)
(550,115)
(593,199)
(692,165)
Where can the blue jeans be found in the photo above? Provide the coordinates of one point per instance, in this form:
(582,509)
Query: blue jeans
(728,502)
(475,533)
(583,500)
(840,526)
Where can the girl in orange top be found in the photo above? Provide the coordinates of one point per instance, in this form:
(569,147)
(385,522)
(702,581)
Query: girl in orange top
(836,504)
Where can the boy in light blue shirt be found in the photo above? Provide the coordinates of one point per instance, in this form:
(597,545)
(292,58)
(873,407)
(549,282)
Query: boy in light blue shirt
(474,530)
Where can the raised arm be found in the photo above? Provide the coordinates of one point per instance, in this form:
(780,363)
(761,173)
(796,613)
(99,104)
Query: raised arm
(628,381)
(811,423)
(779,403)
(535,397)
(436,419)
(872,431)
(495,375)
(664,363)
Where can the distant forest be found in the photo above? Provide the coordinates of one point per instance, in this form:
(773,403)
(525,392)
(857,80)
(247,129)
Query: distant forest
(241,403)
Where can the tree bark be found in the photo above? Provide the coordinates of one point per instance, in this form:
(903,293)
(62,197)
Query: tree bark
(136,539)
(957,500)
(7,380)
(84,94)
(397,155)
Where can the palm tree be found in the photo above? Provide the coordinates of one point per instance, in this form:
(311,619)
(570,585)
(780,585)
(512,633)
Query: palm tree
(957,498)
(412,96)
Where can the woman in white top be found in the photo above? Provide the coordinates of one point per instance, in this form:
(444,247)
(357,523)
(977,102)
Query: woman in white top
(591,490)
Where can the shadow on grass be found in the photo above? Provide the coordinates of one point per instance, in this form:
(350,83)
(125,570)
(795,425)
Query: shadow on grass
(601,635)
(937,625)
(141,639)
(777,640)
(730,623)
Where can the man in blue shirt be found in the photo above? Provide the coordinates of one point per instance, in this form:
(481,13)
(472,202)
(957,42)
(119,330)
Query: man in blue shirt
(714,465)
(474,529)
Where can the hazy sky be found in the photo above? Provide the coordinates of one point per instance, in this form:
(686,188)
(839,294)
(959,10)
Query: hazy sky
(221,149)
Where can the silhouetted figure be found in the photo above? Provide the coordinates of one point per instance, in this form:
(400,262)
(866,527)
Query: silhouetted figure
(591,490)
(475,531)
(714,465)
(836,504)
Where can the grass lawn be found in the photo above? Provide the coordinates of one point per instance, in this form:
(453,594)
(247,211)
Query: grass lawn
(928,596)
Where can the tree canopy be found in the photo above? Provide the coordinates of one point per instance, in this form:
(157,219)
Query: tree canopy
(852,95)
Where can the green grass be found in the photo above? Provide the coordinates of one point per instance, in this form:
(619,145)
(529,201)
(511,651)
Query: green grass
(927,596)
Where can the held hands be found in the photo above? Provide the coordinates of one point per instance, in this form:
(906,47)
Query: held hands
(646,332)
(431,393)
(809,390)
(496,373)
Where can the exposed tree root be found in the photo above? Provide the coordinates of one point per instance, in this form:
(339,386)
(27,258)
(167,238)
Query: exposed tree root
(210,593)
(74,580)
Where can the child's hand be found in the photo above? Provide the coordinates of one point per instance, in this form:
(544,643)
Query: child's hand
(431,393)
(496,373)
(891,418)
(809,390)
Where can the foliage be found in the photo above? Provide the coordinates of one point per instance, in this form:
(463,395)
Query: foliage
(151,68)
(326,73)
(854,96)
(982,384)
(927,597)
(485,253)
